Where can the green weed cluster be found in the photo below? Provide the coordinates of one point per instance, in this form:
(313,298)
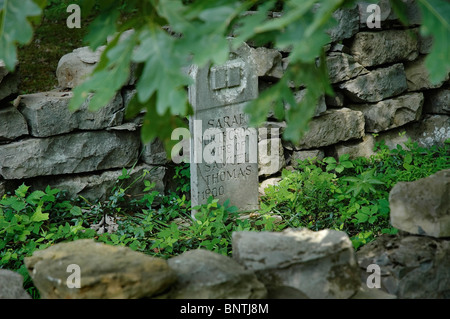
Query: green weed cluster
(350,195)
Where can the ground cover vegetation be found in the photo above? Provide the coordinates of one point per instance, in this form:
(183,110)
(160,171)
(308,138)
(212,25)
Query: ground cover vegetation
(348,195)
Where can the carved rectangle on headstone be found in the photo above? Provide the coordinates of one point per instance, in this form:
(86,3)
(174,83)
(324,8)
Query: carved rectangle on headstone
(223,155)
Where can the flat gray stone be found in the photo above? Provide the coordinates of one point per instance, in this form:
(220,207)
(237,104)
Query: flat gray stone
(391,113)
(377,85)
(270,156)
(48,114)
(342,67)
(154,153)
(382,47)
(431,130)
(68,154)
(12,124)
(332,127)
(361,148)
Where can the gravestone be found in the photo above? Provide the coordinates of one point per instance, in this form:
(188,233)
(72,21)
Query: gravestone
(223,151)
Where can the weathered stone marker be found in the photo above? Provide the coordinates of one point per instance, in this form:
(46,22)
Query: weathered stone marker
(223,153)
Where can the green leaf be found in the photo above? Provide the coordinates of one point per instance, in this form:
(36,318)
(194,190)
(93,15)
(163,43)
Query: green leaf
(38,215)
(34,197)
(436,22)
(21,191)
(75,211)
(15,28)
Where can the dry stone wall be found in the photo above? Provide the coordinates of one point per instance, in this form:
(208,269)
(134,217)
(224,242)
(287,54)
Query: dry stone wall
(378,74)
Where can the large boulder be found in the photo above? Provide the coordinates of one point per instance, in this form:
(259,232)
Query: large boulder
(11,285)
(423,206)
(106,272)
(202,274)
(301,262)
(411,267)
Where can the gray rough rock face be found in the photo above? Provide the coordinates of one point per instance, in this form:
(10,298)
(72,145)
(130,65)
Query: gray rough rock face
(316,264)
(412,267)
(422,207)
(106,272)
(391,113)
(432,130)
(12,124)
(377,85)
(331,127)
(154,153)
(67,154)
(321,107)
(347,24)
(376,48)
(417,76)
(202,274)
(48,114)
(342,67)
(11,285)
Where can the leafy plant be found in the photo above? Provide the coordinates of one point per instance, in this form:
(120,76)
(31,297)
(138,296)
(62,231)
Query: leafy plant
(340,165)
(364,182)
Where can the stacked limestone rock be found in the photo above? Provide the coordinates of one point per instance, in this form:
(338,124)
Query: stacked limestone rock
(379,77)
(381,85)
(12,124)
(83,152)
